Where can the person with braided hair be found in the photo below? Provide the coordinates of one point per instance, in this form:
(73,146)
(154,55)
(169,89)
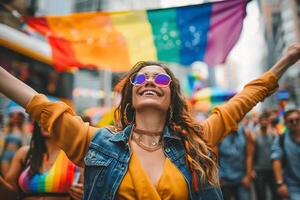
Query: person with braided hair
(156,150)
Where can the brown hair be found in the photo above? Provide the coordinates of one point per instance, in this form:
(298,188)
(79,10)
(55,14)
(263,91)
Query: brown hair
(181,121)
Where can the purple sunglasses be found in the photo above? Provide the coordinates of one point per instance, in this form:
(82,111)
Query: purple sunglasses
(161,80)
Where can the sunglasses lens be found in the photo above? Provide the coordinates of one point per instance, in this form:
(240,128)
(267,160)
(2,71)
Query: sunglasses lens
(294,121)
(139,79)
(162,80)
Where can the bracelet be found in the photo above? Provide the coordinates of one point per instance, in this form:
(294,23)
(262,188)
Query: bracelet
(279,183)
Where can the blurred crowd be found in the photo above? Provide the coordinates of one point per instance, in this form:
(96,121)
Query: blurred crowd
(261,160)
(31,164)
(15,133)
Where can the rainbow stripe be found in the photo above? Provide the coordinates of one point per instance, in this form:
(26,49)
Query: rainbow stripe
(117,40)
(57,180)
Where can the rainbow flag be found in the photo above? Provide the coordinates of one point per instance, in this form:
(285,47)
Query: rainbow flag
(281,128)
(117,40)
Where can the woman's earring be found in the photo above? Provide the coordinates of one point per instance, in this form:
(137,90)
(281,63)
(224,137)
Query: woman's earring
(125,115)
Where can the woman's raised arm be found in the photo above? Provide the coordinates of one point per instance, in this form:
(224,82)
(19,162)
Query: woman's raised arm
(66,129)
(15,89)
(224,118)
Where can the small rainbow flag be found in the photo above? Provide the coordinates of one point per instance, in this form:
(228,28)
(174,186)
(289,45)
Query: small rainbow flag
(117,40)
(281,128)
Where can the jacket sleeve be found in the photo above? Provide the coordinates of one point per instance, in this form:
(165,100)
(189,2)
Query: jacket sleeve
(224,119)
(66,129)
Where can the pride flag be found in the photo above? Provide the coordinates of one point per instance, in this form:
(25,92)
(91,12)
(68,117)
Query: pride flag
(117,40)
(281,128)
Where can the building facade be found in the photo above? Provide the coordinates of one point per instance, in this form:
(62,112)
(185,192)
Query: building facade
(282,29)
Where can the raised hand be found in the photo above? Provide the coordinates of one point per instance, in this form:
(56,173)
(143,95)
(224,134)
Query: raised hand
(290,57)
(293,54)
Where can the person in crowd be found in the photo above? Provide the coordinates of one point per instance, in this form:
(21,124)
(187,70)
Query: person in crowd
(273,117)
(235,169)
(15,135)
(250,121)
(260,145)
(285,154)
(42,170)
(155,146)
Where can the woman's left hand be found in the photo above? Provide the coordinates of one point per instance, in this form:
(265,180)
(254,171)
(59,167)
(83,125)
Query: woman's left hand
(290,57)
(76,191)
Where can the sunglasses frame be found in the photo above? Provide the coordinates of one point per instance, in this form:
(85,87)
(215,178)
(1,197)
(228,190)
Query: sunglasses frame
(159,85)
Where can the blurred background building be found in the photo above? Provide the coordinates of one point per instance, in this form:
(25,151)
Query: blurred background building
(281,19)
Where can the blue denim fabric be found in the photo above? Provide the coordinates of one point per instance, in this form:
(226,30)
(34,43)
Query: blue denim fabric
(294,195)
(291,161)
(232,157)
(106,163)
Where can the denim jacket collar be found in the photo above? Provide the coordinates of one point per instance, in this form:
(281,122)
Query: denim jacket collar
(125,133)
(170,135)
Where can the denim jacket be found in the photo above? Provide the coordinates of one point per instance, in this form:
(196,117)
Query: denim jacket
(107,159)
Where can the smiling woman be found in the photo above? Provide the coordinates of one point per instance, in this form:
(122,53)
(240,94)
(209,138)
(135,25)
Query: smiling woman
(155,147)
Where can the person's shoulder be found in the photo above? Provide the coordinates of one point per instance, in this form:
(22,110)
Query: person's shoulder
(23,149)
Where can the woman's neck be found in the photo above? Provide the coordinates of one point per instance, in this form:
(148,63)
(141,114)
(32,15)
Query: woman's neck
(150,120)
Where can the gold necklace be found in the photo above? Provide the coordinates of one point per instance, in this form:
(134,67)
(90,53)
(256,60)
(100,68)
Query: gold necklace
(138,139)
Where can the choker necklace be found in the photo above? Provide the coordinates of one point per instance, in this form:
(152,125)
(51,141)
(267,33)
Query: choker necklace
(138,139)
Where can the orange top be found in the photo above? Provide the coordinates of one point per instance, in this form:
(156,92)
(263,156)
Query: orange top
(137,185)
(64,126)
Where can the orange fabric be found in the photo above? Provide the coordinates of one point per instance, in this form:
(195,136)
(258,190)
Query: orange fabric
(89,38)
(137,185)
(74,136)
(57,117)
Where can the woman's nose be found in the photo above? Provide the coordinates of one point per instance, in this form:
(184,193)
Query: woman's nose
(150,80)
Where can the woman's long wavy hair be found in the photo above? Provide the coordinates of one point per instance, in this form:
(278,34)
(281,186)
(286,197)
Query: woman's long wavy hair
(179,119)
(34,157)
